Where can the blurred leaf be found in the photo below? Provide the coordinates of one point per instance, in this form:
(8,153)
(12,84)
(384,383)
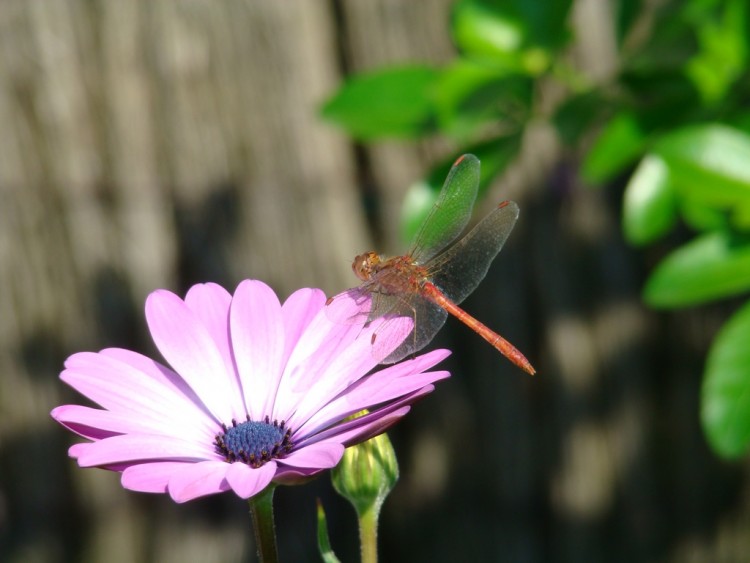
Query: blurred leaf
(741,120)
(725,399)
(324,544)
(482,30)
(390,102)
(712,266)
(700,216)
(495,155)
(547,19)
(626,14)
(619,144)
(650,205)
(662,96)
(575,116)
(666,46)
(499,29)
(740,218)
(469,94)
(709,163)
(723,54)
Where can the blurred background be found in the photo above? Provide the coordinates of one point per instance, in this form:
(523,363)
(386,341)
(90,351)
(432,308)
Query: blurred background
(157,144)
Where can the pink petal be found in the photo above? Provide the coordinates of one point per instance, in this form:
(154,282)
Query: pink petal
(319,346)
(142,447)
(351,306)
(298,311)
(348,366)
(198,479)
(96,424)
(124,388)
(293,475)
(247,481)
(150,477)
(77,450)
(187,345)
(320,455)
(320,343)
(171,384)
(355,305)
(326,340)
(375,427)
(120,385)
(345,432)
(378,388)
(258,344)
(210,303)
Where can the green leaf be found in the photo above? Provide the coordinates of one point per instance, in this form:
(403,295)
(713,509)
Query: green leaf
(723,53)
(725,397)
(547,20)
(626,15)
(392,102)
(701,217)
(481,30)
(495,156)
(575,116)
(711,266)
(709,163)
(324,544)
(469,94)
(619,144)
(740,218)
(650,205)
(662,96)
(740,120)
(504,30)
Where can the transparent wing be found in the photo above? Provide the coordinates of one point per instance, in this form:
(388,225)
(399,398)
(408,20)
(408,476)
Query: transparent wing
(362,304)
(428,319)
(359,305)
(350,307)
(458,271)
(451,212)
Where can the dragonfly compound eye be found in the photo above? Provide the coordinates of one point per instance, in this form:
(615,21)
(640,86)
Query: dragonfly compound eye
(363,265)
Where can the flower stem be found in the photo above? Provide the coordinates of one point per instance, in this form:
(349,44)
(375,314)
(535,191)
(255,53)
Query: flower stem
(368,533)
(261,509)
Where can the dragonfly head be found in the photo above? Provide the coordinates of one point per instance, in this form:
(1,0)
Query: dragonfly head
(364,265)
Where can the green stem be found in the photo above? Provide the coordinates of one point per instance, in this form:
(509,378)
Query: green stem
(368,533)
(261,509)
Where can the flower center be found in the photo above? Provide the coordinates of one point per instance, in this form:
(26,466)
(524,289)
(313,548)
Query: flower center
(253,443)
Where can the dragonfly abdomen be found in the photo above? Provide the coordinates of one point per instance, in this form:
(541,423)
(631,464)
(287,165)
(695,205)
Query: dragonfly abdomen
(507,349)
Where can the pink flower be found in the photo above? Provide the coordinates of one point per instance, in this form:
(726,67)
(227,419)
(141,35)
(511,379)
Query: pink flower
(258,392)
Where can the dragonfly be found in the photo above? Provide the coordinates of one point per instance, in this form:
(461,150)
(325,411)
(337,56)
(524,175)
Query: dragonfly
(434,276)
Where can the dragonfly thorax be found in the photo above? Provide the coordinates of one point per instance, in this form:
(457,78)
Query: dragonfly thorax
(364,265)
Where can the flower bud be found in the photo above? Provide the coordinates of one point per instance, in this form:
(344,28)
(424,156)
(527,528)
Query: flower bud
(367,473)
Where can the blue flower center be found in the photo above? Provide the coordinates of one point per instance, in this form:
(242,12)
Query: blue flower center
(252,442)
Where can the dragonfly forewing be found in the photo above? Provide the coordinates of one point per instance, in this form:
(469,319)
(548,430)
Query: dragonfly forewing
(451,212)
